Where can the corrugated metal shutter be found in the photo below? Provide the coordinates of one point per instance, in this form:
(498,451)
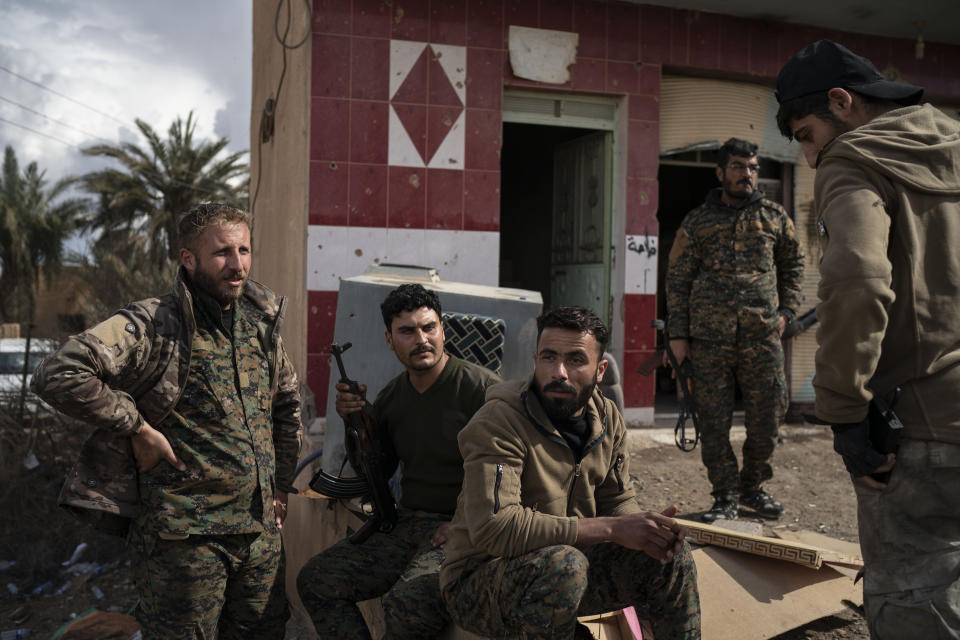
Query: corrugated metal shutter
(805,345)
(697,111)
(701,113)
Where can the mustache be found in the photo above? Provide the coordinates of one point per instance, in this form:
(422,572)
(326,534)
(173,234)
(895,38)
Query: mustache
(423,349)
(556,385)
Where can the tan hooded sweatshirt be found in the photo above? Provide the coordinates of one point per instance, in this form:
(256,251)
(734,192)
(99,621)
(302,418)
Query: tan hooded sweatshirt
(523,487)
(888,197)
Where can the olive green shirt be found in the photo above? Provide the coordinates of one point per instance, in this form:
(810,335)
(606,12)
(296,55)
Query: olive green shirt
(422,429)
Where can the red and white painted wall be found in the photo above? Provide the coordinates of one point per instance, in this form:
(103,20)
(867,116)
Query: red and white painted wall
(406,111)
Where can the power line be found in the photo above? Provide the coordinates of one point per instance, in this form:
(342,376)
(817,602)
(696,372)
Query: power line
(63,142)
(40,133)
(54,120)
(69,144)
(65,97)
(73,146)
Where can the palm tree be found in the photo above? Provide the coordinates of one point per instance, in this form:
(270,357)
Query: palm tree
(155,185)
(119,269)
(34,223)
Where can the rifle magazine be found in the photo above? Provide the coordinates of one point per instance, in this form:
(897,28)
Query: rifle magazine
(339,488)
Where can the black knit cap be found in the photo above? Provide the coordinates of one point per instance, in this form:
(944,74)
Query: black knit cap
(824,65)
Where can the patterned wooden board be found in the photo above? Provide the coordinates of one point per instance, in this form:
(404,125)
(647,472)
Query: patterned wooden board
(706,534)
(834,552)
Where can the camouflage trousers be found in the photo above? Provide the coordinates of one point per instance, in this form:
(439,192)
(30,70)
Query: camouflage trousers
(910,539)
(205,587)
(401,566)
(541,593)
(758,369)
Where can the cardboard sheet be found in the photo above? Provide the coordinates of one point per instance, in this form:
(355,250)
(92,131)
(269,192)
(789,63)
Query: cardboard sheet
(749,597)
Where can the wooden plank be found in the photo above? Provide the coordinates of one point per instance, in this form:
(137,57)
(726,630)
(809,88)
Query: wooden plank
(833,551)
(798,553)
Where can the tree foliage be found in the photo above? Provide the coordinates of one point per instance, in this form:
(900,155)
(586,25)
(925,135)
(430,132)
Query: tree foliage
(34,223)
(155,184)
(118,270)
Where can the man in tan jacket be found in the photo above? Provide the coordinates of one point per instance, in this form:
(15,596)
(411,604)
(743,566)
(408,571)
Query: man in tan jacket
(887,195)
(547,526)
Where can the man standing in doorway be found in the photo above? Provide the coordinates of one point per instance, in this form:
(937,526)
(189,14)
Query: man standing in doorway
(733,284)
(199,382)
(887,195)
(419,414)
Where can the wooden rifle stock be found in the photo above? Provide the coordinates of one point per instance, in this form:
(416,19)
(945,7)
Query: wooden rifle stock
(361,436)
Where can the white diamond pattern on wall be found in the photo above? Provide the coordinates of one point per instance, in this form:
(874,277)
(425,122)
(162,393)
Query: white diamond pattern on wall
(427,105)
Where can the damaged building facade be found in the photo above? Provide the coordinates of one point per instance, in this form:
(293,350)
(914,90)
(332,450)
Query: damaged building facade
(552,146)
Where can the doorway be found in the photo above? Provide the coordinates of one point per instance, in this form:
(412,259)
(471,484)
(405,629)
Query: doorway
(685,178)
(555,214)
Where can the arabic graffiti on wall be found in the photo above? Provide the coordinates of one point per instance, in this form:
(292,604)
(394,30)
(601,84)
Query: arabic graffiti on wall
(641,264)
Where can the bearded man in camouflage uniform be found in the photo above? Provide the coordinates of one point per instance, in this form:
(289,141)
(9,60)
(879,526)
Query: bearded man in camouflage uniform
(198,383)
(733,284)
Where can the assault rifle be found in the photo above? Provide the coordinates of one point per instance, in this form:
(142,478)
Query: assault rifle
(366,455)
(684,373)
(800,324)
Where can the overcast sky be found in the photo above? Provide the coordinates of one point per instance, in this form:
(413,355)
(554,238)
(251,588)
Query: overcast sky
(124,60)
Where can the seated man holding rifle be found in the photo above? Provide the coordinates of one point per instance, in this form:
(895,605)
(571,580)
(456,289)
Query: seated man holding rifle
(417,417)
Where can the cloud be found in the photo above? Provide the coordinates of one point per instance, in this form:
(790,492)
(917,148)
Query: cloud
(122,61)
(233,123)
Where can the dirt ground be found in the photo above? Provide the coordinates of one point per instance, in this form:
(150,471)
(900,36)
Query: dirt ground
(809,480)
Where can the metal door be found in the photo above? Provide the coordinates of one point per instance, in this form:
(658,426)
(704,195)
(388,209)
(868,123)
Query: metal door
(580,247)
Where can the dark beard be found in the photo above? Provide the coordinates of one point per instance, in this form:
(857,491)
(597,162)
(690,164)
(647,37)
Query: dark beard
(728,185)
(211,286)
(558,409)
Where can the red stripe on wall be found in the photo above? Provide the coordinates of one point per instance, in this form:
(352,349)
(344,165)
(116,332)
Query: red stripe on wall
(321,319)
(640,340)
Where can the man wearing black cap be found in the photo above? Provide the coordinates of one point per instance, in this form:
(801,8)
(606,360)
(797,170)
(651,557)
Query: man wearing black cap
(887,195)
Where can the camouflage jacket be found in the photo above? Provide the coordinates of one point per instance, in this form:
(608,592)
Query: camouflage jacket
(733,270)
(132,368)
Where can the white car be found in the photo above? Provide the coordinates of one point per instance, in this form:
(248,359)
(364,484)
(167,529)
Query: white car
(12,356)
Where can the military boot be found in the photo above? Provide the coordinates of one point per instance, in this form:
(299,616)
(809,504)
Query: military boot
(762,502)
(724,508)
